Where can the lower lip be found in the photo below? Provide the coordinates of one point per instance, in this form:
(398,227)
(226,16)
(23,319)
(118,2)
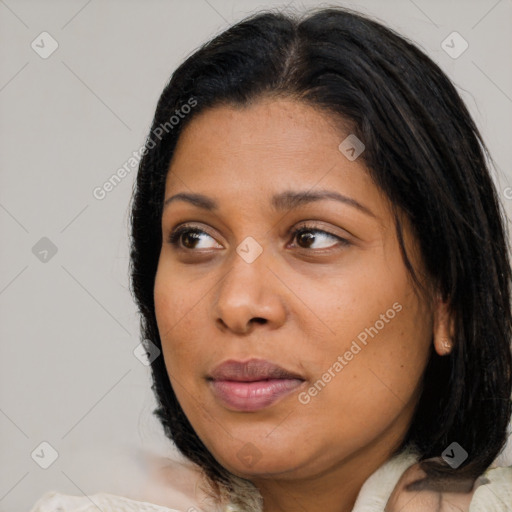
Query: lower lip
(252,396)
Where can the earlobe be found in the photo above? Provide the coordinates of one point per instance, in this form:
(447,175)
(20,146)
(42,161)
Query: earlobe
(443,327)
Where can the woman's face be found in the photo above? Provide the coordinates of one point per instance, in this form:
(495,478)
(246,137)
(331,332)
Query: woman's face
(333,305)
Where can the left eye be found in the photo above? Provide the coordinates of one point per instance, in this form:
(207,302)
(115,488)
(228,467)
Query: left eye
(309,235)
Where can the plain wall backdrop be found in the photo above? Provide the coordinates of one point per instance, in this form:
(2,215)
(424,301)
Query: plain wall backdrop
(79,81)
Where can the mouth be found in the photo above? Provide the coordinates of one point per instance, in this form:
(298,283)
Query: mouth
(251,385)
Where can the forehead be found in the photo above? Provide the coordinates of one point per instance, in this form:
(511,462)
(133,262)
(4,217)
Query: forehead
(259,150)
(267,128)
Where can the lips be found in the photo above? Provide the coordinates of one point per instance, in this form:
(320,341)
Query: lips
(251,371)
(251,385)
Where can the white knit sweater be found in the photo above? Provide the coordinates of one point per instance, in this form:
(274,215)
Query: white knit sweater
(493,494)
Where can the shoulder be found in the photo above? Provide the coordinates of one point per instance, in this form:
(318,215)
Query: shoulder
(169,481)
(491,492)
(55,502)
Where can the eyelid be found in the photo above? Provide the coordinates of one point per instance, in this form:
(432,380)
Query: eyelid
(177,231)
(311,226)
(320,226)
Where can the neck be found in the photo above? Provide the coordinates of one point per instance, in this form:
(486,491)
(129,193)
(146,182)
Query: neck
(335,490)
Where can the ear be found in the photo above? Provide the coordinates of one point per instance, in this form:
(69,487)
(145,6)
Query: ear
(443,327)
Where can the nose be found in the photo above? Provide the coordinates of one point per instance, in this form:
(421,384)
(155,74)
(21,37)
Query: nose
(249,295)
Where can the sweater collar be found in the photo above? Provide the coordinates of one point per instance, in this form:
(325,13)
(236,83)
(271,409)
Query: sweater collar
(377,489)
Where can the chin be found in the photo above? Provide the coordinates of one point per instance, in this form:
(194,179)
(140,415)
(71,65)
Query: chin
(273,468)
(262,459)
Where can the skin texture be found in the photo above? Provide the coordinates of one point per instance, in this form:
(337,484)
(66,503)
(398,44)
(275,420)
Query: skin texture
(311,297)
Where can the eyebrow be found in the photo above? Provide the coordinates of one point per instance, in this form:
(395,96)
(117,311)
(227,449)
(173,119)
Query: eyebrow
(287,200)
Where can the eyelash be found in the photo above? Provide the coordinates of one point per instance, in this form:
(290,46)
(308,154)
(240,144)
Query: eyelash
(174,236)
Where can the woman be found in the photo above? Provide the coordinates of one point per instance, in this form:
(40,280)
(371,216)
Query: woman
(319,253)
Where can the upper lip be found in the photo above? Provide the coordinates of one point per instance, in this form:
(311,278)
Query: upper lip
(250,371)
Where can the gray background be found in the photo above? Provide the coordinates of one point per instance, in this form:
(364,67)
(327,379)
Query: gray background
(68,374)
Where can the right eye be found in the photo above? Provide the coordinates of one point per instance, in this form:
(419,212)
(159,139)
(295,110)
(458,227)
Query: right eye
(185,237)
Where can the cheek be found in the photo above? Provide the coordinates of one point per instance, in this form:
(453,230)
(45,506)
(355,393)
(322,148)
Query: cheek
(382,331)
(374,309)
(382,367)
(183,327)
(175,316)
(376,389)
